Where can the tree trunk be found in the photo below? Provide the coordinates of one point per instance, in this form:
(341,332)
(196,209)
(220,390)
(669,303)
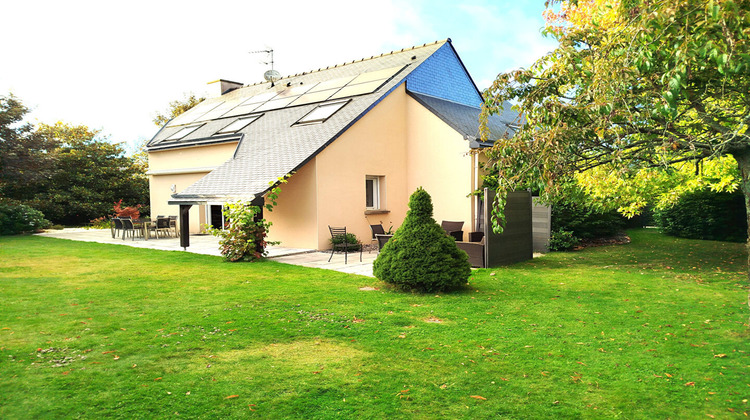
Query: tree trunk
(743,161)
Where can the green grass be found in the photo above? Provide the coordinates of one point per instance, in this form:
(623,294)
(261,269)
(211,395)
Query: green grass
(654,329)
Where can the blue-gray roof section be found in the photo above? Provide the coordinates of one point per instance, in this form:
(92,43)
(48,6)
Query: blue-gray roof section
(465,119)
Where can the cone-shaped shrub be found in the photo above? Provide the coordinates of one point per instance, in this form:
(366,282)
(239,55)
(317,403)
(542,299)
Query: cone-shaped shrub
(420,256)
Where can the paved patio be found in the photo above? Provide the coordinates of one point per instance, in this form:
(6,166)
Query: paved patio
(209,245)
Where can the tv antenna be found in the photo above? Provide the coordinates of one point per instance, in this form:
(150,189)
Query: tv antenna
(270,75)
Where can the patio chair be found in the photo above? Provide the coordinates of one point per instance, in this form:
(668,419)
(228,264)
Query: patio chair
(376,230)
(382,239)
(129,226)
(163,226)
(341,232)
(116,226)
(476,236)
(173,225)
(453,229)
(475,251)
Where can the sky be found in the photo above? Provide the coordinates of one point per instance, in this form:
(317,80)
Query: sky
(113,65)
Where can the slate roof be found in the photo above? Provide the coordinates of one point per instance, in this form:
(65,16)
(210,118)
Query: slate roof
(465,119)
(273,145)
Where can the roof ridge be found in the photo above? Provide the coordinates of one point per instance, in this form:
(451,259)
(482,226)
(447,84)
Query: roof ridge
(347,63)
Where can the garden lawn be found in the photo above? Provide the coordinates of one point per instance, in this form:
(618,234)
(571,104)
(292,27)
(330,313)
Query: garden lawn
(653,329)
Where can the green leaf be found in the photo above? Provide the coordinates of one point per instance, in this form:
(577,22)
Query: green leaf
(674,85)
(722,59)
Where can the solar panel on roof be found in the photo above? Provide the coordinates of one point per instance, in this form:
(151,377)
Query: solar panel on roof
(184,131)
(299,94)
(294,90)
(360,89)
(376,75)
(263,97)
(218,111)
(312,97)
(191,114)
(331,84)
(276,104)
(242,109)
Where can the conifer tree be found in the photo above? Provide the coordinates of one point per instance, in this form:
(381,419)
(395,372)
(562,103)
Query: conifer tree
(420,256)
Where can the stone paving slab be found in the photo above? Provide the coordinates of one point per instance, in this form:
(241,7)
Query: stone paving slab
(320,260)
(209,245)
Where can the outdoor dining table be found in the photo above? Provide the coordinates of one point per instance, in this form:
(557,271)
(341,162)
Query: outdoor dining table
(146,224)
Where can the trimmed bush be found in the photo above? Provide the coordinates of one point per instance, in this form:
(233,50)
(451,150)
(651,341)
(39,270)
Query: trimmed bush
(420,256)
(19,218)
(562,240)
(705,214)
(584,222)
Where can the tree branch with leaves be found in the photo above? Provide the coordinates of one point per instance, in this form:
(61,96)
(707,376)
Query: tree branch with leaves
(633,84)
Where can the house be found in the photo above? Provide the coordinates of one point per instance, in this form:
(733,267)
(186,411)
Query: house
(358,137)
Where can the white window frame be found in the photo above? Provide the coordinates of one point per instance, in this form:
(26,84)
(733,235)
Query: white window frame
(208,213)
(375,192)
(322,112)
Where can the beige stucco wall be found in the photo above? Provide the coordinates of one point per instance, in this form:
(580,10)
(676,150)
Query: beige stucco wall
(183,167)
(191,157)
(409,147)
(440,162)
(374,145)
(295,216)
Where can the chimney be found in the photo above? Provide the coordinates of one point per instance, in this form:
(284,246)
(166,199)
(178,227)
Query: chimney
(221,86)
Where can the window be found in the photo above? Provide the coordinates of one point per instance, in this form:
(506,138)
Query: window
(183,132)
(215,216)
(237,125)
(321,112)
(372,192)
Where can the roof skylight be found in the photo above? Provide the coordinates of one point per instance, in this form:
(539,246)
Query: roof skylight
(322,112)
(238,125)
(183,132)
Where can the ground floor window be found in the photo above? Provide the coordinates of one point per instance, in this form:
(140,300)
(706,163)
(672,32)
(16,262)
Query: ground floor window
(215,216)
(373,192)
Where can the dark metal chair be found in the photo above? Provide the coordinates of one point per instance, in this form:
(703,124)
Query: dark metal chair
(173,225)
(340,232)
(453,229)
(376,230)
(116,226)
(129,226)
(163,226)
(382,239)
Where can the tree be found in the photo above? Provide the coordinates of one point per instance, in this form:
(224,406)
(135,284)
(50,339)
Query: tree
(69,172)
(176,108)
(26,161)
(633,84)
(659,188)
(420,255)
(91,174)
